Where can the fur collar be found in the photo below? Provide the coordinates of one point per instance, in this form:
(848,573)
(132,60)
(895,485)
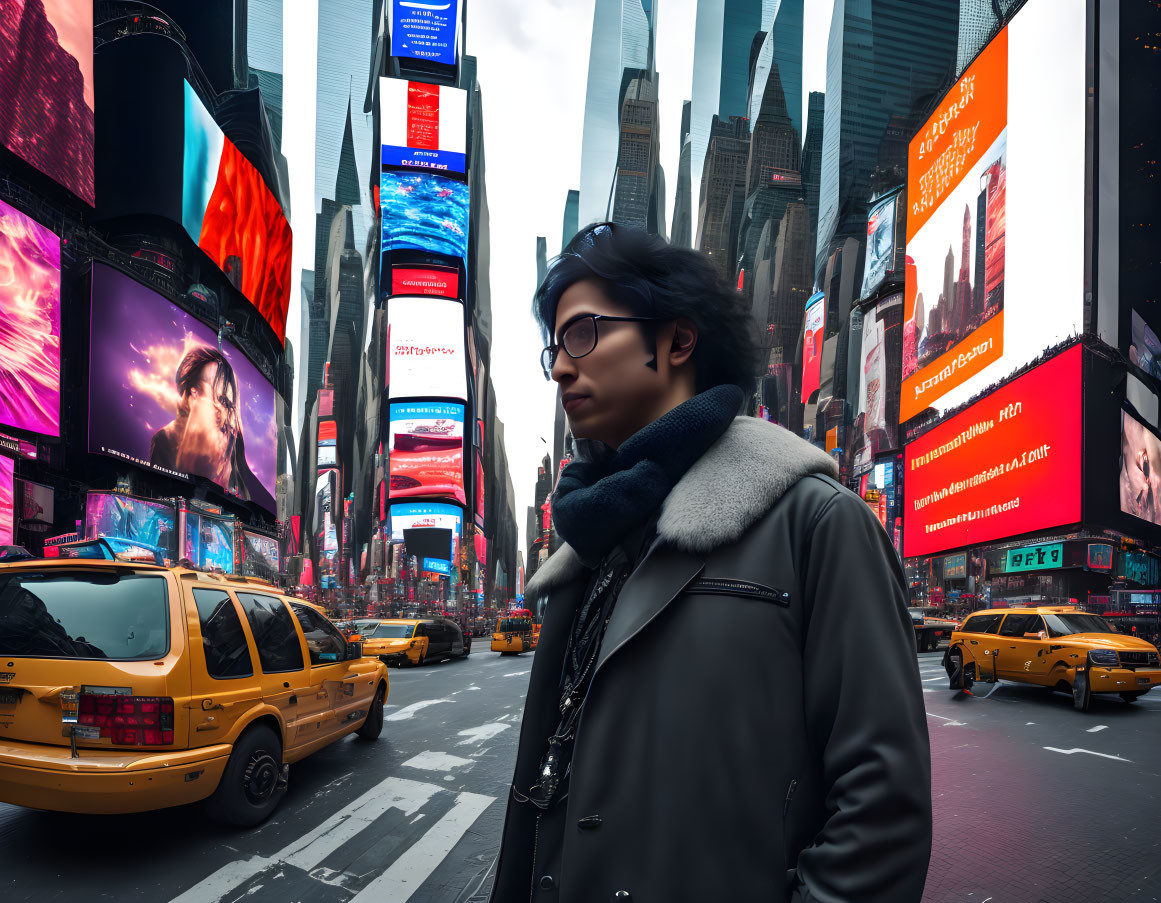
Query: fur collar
(721,496)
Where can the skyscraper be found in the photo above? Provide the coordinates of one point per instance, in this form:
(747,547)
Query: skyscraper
(812,157)
(977,23)
(780,56)
(571,224)
(723,192)
(264,58)
(680,231)
(638,187)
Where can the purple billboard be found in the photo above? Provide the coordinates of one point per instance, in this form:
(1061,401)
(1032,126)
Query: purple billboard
(7,501)
(163,396)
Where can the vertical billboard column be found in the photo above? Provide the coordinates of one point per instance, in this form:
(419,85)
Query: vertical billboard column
(812,345)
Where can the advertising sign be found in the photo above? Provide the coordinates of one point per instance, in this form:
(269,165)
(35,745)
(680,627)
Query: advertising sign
(140,521)
(206,540)
(424,212)
(46,80)
(984,177)
(1100,557)
(233,216)
(1140,491)
(259,555)
(37,504)
(436,566)
(955,566)
(880,258)
(426,348)
(427,516)
(428,281)
(7,501)
(424,126)
(1007,465)
(425,29)
(1035,558)
(812,344)
(427,450)
(29,321)
(162,396)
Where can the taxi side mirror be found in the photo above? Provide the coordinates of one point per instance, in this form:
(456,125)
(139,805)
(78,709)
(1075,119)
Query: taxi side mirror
(355,638)
(1040,635)
(354,651)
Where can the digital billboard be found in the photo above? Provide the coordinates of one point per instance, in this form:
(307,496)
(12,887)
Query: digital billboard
(427,516)
(259,555)
(325,529)
(7,501)
(228,209)
(880,257)
(37,503)
(994,170)
(1009,464)
(424,212)
(426,348)
(427,450)
(29,324)
(46,80)
(141,521)
(812,344)
(879,374)
(163,396)
(205,540)
(431,281)
(1140,485)
(423,126)
(425,29)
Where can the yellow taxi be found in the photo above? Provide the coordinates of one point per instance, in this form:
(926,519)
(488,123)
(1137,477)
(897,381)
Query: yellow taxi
(1059,647)
(514,634)
(412,641)
(127,687)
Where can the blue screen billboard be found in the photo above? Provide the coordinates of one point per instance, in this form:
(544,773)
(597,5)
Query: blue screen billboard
(425,30)
(422,211)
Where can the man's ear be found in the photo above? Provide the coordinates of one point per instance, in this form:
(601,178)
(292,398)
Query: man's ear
(684,341)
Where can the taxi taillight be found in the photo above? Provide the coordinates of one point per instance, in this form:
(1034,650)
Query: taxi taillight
(129,720)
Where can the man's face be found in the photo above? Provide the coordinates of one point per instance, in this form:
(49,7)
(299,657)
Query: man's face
(611,392)
(211,414)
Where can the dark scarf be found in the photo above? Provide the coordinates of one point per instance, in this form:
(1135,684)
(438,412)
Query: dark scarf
(598,501)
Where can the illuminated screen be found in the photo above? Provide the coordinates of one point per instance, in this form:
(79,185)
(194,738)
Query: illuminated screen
(259,555)
(424,126)
(812,345)
(424,212)
(207,541)
(426,518)
(46,80)
(230,212)
(878,381)
(162,396)
(880,262)
(1140,492)
(327,456)
(427,348)
(7,501)
(996,169)
(147,523)
(425,29)
(37,503)
(427,450)
(29,324)
(426,281)
(1009,464)
(325,531)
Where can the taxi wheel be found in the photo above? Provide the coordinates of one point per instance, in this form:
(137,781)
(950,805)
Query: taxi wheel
(372,725)
(1081,693)
(955,671)
(254,780)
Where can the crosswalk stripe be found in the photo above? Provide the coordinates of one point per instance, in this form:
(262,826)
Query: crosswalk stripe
(407,873)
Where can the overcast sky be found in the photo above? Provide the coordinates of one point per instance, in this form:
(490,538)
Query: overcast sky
(533,64)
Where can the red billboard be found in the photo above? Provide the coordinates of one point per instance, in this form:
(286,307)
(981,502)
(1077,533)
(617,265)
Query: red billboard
(1009,464)
(440,283)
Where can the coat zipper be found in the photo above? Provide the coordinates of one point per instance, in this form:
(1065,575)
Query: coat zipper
(535,845)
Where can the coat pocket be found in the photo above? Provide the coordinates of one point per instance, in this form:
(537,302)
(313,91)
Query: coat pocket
(728,586)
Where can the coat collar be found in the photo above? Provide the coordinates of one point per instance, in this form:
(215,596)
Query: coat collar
(722,495)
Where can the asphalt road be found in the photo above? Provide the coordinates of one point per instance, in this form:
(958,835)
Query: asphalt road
(1033,802)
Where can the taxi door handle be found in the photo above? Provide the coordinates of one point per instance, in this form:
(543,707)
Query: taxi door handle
(321,694)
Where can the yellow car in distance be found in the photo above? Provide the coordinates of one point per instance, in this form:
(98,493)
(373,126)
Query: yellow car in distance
(1059,647)
(412,641)
(514,635)
(127,687)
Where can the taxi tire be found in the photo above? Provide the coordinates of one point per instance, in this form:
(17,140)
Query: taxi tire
(372,725)
(955,671)
(1081,693)
(257,749)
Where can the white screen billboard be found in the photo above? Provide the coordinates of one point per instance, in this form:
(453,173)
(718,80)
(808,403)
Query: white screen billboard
(426,348)
(423,126)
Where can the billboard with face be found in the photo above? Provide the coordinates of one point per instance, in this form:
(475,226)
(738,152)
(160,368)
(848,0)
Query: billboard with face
(29,324)
(46,80)
(141,521)
(880,258)
(426,454)
(163,396)
(812,344)
(7,501)
(426,348)
(424,126)
(984,176)
(230,212)
(1140,484)
(425,29)
(207,541)
(424,212)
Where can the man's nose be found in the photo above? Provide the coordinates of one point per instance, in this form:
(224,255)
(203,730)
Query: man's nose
(564,367)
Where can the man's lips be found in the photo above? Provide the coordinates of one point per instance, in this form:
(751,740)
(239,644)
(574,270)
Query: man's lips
(571,400)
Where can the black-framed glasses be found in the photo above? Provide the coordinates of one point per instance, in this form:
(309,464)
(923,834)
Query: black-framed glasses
(579,337)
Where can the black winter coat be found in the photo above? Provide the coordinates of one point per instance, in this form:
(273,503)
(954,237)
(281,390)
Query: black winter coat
(755,728)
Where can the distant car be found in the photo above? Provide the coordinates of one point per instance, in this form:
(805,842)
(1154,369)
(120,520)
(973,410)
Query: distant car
(514,635)
(1059,647)
(413,641)
(930,629)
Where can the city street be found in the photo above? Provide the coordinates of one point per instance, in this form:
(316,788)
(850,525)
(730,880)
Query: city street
(1033,802)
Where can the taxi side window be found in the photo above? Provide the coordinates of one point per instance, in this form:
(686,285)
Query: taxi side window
(223,641)
(1015,625)
(323,640)
(274,633)
(981,624)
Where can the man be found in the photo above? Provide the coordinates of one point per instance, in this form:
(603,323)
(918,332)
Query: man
(205,438)
(725,702)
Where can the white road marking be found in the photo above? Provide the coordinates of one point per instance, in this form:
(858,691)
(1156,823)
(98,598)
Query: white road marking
(408,712)
(407,873)
(482,733)
(1099,727)
(1069,752)
(951,722)
(1026,723)
(311,849)
(928,680)
(518,673)
(436,761)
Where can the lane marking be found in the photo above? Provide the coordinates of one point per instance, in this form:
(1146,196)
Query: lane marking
(928,680)
(484,732)
(951,722)
(408,712)
(407,873)
(436,761)
(308,851)
(518,673)
(1099,727)
(1069,752)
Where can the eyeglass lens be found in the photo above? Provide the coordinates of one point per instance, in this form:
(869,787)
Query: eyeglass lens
(580,337)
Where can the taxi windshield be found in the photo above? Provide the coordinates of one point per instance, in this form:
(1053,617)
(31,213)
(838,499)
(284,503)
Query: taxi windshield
(513,625)
(1074,622)
(391,632)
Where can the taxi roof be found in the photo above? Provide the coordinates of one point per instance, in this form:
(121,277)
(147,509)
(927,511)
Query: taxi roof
(1032,609)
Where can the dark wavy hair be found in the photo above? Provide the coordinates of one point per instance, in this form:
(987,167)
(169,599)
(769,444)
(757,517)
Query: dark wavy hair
(652,278)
